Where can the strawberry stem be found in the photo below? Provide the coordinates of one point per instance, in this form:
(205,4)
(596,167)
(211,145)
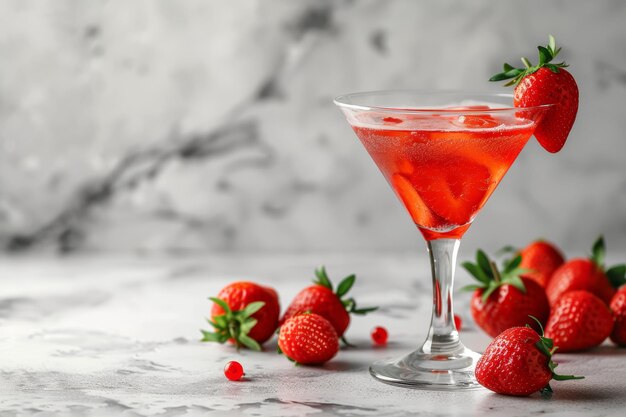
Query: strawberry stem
(346,343)
(546,346)
(494,271)
(546,55)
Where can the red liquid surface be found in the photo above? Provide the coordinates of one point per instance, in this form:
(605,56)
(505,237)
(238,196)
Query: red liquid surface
(443,168)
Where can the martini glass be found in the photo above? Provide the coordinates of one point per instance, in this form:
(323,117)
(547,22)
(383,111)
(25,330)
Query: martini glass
(443,154)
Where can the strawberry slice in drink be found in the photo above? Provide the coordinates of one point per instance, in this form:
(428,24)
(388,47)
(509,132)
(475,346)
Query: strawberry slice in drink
(454,191)
(416,207)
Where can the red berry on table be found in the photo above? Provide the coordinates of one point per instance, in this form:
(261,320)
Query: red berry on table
(586,274)
(518,362)
(379,335)
(579,321)
(244,313)
(541,258)
(321,299)
(458,322)
(233,370)
(502,300)
(308,339)
(618,306)
(545,83)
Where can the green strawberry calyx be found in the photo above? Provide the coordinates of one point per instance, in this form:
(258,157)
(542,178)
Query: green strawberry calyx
(235,325)
(342,289)
(489,278)
(616,274)
(546,55)
(546,346)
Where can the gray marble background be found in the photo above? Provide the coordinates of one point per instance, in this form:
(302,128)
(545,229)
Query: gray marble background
(181,126)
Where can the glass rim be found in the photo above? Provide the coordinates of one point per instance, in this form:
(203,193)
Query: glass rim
(341,101)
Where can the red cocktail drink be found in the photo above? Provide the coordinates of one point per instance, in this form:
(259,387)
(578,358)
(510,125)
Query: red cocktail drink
(443,154)
(444,168)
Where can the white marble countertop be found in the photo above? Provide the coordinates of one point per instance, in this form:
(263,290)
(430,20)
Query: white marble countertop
(110,336)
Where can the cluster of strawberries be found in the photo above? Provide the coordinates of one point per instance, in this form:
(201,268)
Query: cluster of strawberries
(248,314)
(576,301)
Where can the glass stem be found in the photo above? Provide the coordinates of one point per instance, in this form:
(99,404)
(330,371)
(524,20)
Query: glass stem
(443,336)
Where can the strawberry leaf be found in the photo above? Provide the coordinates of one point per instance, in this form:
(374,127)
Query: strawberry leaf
(546,391)
(553,68)
(352,308)
(483,262)
(552,45)
(247,325)
(233,325)
(252,308)
(249,342)
(211,337)
(345,285)
(507,74)
(471,287)
(617,275)
(363,311)
(490,279)
(221,303)
(546,346)
(542,347)
(597,252)
(493,285)
(558,377)
(219,321)
(505,250)
(545,55)
(346,343)
(510,266)
(322,278)
(517,282)
(476,272)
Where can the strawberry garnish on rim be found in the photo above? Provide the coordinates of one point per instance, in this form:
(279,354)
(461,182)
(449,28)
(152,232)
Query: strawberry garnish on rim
(541,84)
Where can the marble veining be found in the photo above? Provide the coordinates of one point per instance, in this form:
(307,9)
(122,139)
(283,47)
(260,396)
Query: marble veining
(194,126)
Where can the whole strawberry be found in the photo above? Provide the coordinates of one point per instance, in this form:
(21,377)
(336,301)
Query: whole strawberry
(243,313)
(518,362)
(579,321)
(320,299)
(308,339)
(545,83)
(541,258)
(504,300)
(585,274)
(618,307)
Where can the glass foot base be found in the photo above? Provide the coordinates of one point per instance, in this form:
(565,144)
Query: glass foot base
(443,372)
